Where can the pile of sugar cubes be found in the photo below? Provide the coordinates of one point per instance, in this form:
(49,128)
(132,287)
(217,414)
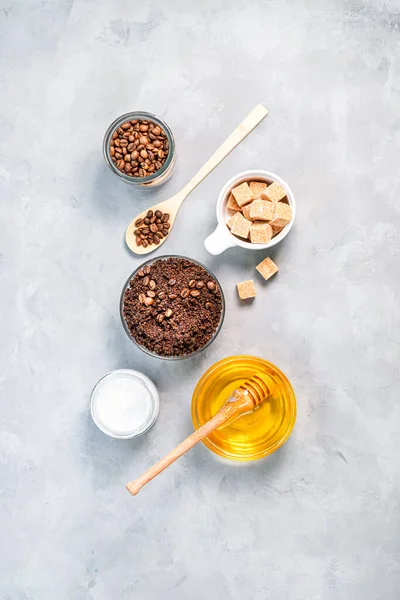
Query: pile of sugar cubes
(260,210)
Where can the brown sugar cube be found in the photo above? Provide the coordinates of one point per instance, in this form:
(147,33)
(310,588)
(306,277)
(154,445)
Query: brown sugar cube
(261,210)
(257,188)
(282,215)
(242,194)
(240,226)
(232,204)
(260,232)
(275,228)
(229,222)
(246,289)
(267,268)
(274,192)
(246,211)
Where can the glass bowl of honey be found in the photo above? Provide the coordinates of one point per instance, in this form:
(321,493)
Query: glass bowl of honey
(253,435)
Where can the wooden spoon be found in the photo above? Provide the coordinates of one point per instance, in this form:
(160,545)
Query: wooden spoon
(173,204)
(243,400)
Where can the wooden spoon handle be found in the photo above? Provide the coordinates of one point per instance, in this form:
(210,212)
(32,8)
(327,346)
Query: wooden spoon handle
(250,122)
(225,414)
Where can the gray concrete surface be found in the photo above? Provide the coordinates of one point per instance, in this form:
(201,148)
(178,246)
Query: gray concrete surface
(320,519)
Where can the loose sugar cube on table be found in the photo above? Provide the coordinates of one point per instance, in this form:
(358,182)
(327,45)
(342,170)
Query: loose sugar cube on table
(282,215)
(246,289)
(257,188)
(232,204)
(274,192)
(262,210)
(267,268)
(240,226)
(242,194)
(260,232)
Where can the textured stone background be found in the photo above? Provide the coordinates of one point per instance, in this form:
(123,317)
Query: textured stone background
(320,519)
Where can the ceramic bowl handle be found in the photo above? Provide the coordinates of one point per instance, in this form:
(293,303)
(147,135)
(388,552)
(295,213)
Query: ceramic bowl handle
(218,241)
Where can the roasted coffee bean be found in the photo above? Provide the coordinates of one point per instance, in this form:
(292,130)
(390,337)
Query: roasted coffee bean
(165,218)
(146,280)
(168,313)
(172,296)
(149,214)
(158,214)
(200,285)
(139,241)
(211,285)
(151,294)
(127,125)
(145,243)
(192,283)
(153,219)
(121,164)
(141,273)
(172,282)
(143,128)
(146,221)
(142,173)
(162,295)
(195,293)
(149,301)
(160,318)
(185,293)
(139,222)
(156,238)
(142,298)
(147,270)
(167,225)
(153,228)
(208,305)
(152,284)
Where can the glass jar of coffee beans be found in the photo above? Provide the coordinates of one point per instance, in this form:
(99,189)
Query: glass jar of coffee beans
(140,148)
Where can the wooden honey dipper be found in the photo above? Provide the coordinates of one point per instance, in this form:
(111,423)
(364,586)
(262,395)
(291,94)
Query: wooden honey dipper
(243,400)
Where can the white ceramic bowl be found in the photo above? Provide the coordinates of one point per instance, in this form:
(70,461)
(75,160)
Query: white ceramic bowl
(222,239)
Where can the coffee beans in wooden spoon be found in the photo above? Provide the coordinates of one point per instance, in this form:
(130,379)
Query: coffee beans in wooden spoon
(139,148)
(152,228)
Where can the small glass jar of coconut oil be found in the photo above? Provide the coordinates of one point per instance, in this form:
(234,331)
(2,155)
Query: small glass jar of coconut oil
(124,404)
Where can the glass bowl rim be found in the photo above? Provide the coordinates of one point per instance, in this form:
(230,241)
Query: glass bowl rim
(128,117)
(143,348)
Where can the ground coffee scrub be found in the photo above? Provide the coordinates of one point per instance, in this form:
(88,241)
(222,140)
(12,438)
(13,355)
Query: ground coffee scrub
(172,307)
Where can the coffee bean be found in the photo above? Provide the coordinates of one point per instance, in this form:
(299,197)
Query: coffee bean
(143,153)
(151,294)
(208,305)
(165,218)
(121,164)
(149,214)
(160,318)
(139,222)
(152,284)
(153,228)
(127,125)
(172,282)
(145,243)
(211,285)
(192,283)
(123,143)
(185,293)
(156,238)
(144,140)
(144,128)
(139,241)
(114,135)
(195,293)
(172,296)
(148,301)
(158,214)
(146,280)
(162,295)
(142,298)
(141,273)
(157,143)
(168,313)
(157,130)
(142,173)
(200,285)
(146,221)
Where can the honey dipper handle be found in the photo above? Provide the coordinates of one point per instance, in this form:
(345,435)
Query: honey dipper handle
(225,414)
(246,126)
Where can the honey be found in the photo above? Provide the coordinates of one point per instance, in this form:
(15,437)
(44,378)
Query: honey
(257,433)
